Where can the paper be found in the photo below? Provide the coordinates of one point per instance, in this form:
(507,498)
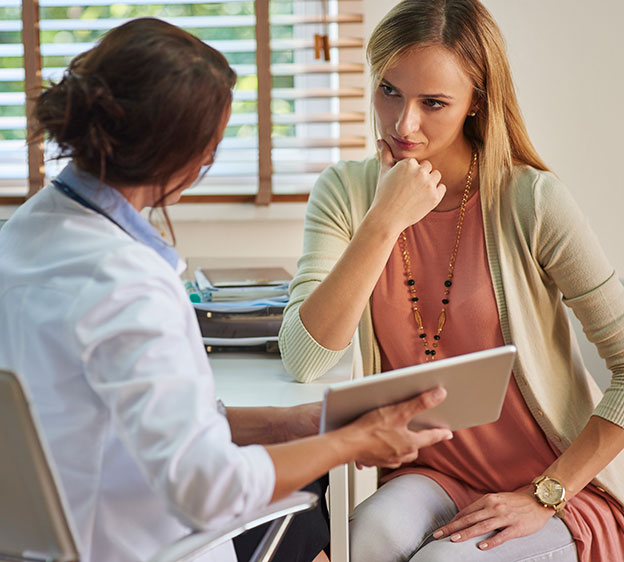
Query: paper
(238,277)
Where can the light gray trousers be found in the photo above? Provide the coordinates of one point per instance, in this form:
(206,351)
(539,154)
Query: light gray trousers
(396,524)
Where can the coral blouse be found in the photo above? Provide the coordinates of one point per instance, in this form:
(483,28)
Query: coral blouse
(501,456)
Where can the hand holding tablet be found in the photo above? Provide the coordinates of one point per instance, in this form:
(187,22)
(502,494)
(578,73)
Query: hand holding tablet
(476,384)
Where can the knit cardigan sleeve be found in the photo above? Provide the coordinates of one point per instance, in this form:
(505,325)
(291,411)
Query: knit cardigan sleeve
(571,255)
(337,204)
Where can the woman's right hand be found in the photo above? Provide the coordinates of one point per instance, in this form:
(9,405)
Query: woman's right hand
(406,190)
(383,438)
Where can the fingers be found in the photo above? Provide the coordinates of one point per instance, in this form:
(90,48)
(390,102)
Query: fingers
(511,515)
(389,441)
(498,539)
(424,401)
(427,437)
(427,167)
(461,527)
(386,157)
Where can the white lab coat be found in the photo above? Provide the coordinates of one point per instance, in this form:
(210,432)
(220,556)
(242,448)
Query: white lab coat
(101,330)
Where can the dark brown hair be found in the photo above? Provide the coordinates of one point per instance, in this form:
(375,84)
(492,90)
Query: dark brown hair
(140,105)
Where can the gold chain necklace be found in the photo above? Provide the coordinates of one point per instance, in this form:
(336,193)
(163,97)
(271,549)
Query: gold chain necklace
(430,352)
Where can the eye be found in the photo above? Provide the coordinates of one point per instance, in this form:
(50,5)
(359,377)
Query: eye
(434,104)
(387,89)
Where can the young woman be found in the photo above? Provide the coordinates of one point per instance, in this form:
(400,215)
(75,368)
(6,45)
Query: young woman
(457,238)
(95,318)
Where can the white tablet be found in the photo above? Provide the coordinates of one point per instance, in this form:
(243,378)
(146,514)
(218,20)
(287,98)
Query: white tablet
(476,384)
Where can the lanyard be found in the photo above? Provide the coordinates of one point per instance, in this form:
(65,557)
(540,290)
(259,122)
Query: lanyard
(69,192)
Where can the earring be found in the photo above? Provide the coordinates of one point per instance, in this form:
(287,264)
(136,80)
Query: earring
(472,114)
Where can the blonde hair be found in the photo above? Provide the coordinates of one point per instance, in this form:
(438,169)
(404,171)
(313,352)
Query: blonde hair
(468,30)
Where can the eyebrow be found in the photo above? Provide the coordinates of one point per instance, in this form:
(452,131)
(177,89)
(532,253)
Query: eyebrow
(425,96)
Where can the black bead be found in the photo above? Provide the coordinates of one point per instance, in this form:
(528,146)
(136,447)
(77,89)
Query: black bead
(428,352)
(411,282)
(414,299)
(445,301)
(436,337)
(433,352)
(422,336)
(448,283)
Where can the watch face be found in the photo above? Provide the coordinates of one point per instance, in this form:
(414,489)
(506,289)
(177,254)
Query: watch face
(550,491)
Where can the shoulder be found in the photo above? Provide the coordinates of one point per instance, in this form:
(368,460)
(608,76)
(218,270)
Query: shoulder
(343,177)
(534,192)
(88,248)
(346,187)
(526,183)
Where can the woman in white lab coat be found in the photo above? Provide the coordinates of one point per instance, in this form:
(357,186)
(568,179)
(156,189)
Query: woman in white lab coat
(95,319)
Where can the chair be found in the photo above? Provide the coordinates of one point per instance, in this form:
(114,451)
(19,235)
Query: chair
(34,519)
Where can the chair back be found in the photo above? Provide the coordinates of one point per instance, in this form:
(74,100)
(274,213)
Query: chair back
(34,525)
(33,521)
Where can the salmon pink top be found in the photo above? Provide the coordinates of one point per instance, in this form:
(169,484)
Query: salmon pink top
(501,456)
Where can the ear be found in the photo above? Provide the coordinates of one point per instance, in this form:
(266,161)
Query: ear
(475,105)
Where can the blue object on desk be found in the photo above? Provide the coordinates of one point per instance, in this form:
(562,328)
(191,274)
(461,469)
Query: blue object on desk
(241,306)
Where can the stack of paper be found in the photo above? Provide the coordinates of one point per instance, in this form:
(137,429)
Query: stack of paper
(239,308)
(244,284)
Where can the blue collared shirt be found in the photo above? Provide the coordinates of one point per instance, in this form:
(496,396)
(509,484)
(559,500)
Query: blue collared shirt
(117,208)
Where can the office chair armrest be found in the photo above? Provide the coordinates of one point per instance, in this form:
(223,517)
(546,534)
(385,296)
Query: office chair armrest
(195,544)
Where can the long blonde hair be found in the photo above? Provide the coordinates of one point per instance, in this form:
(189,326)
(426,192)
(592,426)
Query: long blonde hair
(467,29)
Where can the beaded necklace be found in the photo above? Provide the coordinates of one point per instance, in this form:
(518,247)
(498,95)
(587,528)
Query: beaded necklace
(430,352)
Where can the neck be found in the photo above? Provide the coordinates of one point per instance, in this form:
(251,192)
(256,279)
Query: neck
(138,197)
(454,167)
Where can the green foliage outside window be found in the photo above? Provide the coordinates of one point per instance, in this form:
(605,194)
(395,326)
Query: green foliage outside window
(12,40)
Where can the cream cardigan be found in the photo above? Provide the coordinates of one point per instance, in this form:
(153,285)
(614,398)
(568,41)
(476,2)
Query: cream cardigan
(540,248)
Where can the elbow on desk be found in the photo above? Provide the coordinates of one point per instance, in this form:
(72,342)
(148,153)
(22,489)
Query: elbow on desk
(301,371)
(303,357)
(304,364)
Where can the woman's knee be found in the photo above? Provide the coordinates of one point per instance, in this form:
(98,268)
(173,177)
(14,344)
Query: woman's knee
(397,519)
(375,536)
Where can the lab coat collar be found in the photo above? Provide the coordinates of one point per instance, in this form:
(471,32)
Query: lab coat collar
(119,210)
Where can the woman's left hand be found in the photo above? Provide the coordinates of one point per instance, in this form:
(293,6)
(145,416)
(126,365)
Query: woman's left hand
(512,514)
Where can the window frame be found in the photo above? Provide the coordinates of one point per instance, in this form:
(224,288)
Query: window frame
(264,194)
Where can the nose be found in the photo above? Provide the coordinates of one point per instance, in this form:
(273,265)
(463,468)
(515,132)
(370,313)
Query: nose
(408,120)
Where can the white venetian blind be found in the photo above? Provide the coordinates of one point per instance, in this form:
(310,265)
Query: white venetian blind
(293,114)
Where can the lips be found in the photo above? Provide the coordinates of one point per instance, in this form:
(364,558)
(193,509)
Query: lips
(405,145)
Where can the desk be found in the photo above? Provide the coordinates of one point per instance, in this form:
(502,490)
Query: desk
(250,379)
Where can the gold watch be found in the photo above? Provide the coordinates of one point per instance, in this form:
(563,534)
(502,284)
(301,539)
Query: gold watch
(550,493)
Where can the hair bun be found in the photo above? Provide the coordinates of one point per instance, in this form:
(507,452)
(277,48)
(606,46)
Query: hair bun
(141,105)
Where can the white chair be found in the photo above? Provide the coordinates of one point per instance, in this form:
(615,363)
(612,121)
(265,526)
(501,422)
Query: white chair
(34,519)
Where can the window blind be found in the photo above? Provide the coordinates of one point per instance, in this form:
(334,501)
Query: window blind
(293,114)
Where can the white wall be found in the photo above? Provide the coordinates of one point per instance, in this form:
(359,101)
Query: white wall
(566,57)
